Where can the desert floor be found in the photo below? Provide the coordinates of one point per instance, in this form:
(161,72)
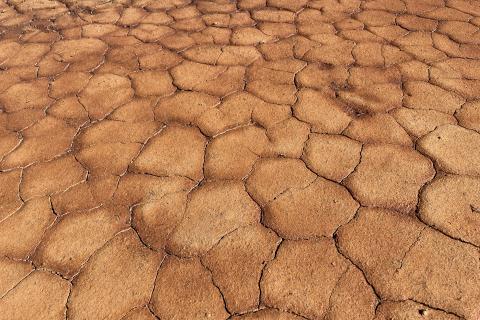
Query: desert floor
(250,159)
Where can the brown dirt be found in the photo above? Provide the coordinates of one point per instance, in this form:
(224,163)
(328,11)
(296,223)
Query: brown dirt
(240,159)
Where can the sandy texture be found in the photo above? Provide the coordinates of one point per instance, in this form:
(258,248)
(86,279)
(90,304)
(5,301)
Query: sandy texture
(240,160)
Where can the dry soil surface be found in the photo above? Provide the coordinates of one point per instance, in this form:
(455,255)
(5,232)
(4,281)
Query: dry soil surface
(250,159)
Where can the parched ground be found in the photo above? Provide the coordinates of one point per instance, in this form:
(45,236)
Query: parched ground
(243,160)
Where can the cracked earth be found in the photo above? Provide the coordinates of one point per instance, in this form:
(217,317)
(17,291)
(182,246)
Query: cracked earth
(242,160)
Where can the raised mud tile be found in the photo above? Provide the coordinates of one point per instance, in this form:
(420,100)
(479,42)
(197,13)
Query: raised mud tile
(423,95)
(176,150)
(28,54)
(316,30)
(236,263)
(288,137)
(44,140)
(231,155)
(240,109)
(70,110)
(395,6)
(23,118)
(104,93)
(207,54)
(156,220)
(90,193)
(22,231)
(374,18)
(8,142)
(281,49)
(273,15)
(464,6)
(337,54)
(453,148)
(110,131)
(268,115)
(13,272)
(452,205)
(76,236)
(190,24)
(72,51)
(220,20)
(448,13)
(161,60)
(251,4)
(318,77)
(184,107)
(178,41)
(135,188)
(51,66)
(286,4)
(323,112)
(184,290)
(274,176)
(46,178)
(142,313)
(125,258)
(7,79)
(215,7)
(280,30)
(459,31)
(41,295)
(268,314)
(389,176)
(331,156)
(152,83)
(273,92)
(352,297)
(312,211)
(241,19)
(465,87)
(410,310)
(302,277)
(414,70)
(419,263)
(137,110)
(184,12)
(469,115)
(357,35)
(111,158)
(150,32)
(132,16)
(235,110)
(249,36)
(213,210)
(238,55)
(356,240)
(374,98)
(158,18)
(453,286)
(216,35)
(230,81)
(360,76)
(32,94)
(68,83)
(378,128)
(214,80)
(188,75)
(9,195)
(420,122)
(457,68)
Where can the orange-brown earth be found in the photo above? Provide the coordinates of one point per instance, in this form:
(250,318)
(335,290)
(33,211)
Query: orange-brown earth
(243,160)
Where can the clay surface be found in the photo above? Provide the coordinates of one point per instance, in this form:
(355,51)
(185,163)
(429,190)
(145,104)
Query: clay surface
(240,159)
